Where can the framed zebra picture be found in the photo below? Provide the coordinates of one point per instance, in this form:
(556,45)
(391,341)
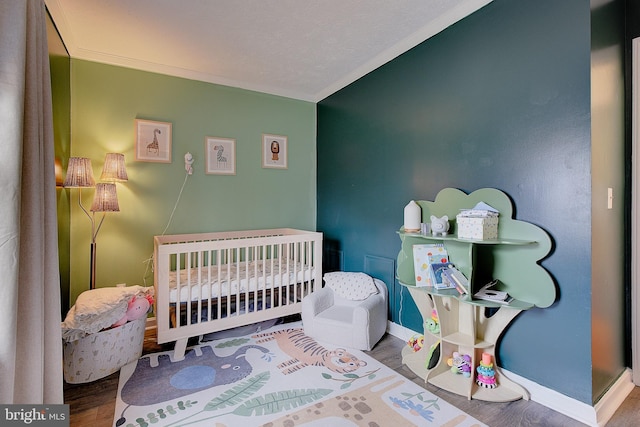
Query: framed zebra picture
(220,155)
(274,151)
(153,141)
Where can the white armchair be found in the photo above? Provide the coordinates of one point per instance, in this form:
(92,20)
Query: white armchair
(350,311)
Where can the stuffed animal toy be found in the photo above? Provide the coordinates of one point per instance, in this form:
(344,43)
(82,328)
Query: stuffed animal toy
(138,307)
(432,324)
(416,342)
(460,364)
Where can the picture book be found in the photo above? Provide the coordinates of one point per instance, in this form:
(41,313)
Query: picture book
(423,257)
(454,277)
(489,292)
(438,278)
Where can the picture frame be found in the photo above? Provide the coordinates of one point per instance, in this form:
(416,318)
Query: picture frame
(274,151)
(153,141)
(220,156)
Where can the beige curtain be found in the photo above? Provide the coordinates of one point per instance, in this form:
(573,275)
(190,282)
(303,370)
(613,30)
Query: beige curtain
(30,337)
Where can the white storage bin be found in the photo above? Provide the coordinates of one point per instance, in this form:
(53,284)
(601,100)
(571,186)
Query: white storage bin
(101,354)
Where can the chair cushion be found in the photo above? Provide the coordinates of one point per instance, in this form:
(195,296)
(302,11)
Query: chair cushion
(338,315)
(351,286)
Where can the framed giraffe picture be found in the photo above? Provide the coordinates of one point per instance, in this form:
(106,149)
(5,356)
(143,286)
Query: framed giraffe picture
(220,156)
(274,151)
(153,141)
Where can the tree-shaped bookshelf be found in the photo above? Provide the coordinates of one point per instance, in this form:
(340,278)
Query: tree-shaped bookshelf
(467,325)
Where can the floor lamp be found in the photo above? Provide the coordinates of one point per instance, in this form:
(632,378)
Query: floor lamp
(105,200)
(80,175)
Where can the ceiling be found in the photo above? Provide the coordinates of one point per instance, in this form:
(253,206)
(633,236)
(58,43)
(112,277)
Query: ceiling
(302,49)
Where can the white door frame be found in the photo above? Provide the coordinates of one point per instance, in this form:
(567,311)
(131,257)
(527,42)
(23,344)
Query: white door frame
(635,215)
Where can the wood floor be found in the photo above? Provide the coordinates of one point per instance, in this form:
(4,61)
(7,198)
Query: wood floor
(93,404)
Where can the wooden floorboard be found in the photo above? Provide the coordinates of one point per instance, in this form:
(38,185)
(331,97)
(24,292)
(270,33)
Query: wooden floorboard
(93,404)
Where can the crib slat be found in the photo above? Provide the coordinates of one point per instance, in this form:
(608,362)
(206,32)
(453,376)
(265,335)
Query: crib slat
(218,284)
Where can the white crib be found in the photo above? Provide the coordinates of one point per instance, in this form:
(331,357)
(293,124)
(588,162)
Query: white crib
(210,282)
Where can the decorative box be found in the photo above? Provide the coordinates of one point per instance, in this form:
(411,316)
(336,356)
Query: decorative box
(98,355)
(477,228)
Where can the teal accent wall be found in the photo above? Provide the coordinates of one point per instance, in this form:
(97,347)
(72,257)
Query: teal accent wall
(106,100)
(501,99)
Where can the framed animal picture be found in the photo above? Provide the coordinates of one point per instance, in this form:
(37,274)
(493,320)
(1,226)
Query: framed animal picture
(274,151)
(220,154)
(153,141)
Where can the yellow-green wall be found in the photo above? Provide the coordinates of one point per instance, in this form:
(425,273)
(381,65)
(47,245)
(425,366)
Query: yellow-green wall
(59,65)
(106,100)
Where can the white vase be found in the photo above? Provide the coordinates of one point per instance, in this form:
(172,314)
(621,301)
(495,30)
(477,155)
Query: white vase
(412,217)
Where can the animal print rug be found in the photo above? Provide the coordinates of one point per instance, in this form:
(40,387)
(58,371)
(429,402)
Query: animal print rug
(276,377)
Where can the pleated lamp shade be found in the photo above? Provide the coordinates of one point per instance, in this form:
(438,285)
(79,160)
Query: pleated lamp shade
(105,199)
(114,169)
(79,173)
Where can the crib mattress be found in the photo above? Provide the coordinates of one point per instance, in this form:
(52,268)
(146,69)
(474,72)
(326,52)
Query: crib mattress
(233,279)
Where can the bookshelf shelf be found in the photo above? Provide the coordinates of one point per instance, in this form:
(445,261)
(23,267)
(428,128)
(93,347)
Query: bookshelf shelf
(467,340)
(471,326)
(498,241)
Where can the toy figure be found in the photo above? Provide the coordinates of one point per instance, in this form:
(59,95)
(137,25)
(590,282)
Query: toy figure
(416,342)
(460,364)
(432,324)
(486,374)
(138,307)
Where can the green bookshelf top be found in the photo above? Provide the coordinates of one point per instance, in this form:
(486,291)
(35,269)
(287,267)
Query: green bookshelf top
(513,258)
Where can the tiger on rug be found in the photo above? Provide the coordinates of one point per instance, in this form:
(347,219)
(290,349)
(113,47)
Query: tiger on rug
(305,351)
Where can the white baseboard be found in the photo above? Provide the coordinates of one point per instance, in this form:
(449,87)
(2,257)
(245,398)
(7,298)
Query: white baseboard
(400,331)
(595,416)
(614,397)
(554,400)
